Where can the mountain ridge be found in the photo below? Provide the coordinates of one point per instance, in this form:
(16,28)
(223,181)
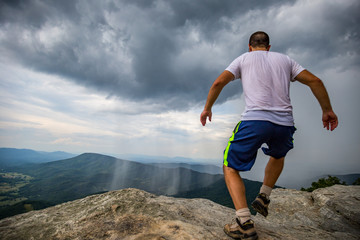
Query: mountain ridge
(97,172)
(90,173)
(10,157)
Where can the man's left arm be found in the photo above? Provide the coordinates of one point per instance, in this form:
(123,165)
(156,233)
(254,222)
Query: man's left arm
(214,92)
(329,118)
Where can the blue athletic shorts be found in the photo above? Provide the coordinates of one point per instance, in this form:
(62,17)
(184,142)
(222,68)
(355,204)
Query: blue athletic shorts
(247,138)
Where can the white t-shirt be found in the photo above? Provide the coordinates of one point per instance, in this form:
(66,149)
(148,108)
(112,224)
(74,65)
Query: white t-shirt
(266,80)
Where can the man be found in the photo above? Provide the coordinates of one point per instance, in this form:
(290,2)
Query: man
(267,118)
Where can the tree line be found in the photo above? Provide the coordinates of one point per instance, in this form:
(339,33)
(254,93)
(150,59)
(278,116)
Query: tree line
(327,182)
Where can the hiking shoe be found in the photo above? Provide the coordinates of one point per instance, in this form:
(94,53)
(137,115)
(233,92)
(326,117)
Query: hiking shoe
(260,204)
(241,231)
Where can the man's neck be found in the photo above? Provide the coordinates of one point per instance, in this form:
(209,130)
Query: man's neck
(259,49)
(251,49)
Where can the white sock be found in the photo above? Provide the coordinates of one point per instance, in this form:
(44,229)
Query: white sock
(266,190)
(243,214)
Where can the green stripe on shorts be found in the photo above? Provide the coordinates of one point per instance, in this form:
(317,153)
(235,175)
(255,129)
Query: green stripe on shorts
(226,152)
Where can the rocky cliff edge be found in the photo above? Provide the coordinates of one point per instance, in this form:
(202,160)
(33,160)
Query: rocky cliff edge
(131,214)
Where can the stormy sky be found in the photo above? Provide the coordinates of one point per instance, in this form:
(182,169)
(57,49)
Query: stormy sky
(132,76)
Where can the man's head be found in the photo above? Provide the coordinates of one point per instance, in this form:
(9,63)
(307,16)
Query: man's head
(259,40)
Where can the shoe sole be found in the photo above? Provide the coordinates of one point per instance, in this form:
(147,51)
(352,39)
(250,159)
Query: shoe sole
(259,208)
(232,235)
(236,236)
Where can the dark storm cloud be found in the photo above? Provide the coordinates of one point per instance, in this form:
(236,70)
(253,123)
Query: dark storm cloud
(328,33)
(149,50)
(35,13)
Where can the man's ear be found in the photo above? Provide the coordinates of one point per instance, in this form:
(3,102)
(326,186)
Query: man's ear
(250,48)
(268,48)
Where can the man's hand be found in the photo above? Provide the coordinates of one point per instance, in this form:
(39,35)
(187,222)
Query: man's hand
(204,115)
(330,120)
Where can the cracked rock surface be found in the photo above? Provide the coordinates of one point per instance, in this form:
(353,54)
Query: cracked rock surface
(329,213)
(326,213)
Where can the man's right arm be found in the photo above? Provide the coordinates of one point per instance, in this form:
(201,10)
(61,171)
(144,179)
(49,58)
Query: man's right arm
(214,92)
(317,87)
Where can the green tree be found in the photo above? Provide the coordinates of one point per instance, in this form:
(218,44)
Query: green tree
(323,182)
(357,182)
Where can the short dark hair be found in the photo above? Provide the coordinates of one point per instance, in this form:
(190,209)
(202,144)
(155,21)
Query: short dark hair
(259,39)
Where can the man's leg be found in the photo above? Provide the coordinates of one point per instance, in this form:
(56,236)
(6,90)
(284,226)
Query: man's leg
(236,187)
(272,172)
(240,157)
(243,228)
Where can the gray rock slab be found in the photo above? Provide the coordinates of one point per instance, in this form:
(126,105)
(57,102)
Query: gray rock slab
(131,214)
